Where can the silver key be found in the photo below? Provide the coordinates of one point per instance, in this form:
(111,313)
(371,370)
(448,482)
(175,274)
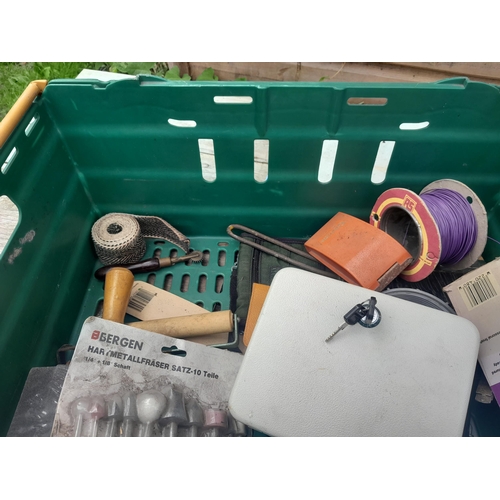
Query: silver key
(351,318)
(339,329)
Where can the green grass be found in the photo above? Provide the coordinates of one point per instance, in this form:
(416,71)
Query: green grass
(15,77)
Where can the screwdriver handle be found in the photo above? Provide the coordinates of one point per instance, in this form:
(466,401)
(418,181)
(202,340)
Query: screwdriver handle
(144,266)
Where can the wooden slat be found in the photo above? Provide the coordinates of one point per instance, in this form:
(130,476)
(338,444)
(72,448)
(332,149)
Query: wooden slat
(251,71)
(366,72)
(472,69)
(379,72)
(346,72)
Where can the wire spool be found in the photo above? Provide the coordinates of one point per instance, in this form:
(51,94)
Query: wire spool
(420,297)
(444,225)
(119,238)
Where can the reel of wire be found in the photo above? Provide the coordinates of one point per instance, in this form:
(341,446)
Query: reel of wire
(444,225)
(420,297)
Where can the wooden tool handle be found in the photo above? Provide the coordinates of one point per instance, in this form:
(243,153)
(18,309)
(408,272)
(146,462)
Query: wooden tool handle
(18,110)
(117,289)
(184,327)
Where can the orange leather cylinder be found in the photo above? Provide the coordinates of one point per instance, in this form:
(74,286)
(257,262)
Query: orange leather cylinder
(358,252)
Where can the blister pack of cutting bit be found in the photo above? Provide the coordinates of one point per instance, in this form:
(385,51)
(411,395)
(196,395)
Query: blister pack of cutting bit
(127,382)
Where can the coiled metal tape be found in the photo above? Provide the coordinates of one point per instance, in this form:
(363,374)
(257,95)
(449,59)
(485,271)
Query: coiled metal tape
(119,238)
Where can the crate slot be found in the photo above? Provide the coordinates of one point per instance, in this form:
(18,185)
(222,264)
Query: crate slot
(182,123)
(151,278)
(327,160)
(414,126)
(216,307)
(207,158)
(261,160)
(222,258)
(9,160)
(31,125)
(367,101)
(157,253)
(167,283)
(190,261)
(202,283)
(186,278)
(233,99)
(382,161)
(206,258)
(173,253)
(99,308)
(219,283)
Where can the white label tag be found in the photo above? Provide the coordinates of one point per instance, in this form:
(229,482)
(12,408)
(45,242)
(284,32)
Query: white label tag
(479,290)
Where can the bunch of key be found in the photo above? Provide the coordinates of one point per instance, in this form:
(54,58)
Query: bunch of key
(366,314)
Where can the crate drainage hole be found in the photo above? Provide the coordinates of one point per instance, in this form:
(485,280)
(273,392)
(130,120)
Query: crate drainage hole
(173,253)
(9,161)
(216,307)
(167,284)
(207,159)
(190,261)
(219,283)
(99,308)
(206,258)
(185,283)
(222,258)
(261,160)
(157,253)
(327,161)
(202,283)
(382,161)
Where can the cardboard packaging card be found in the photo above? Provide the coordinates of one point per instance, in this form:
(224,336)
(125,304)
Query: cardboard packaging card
(115,362)
(476,296)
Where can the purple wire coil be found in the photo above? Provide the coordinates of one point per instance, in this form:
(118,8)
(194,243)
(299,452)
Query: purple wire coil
(456,223)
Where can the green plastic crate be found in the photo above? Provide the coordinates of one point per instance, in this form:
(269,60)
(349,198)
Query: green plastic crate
(99,147)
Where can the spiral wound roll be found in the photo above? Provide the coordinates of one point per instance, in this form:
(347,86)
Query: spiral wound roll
(445,225)
(119,238)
